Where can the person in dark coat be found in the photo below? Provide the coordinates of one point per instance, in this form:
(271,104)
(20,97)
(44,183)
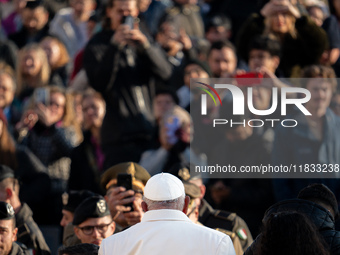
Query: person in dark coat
(87,159)
(302,41)
(315,141)
(318,203)
(29,233)
(35,24)
(122,64)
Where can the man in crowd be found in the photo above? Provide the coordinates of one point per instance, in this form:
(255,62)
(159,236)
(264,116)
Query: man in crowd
(28,231)
(70,25)
(165,219)
(222,59)
(122,64)
(92,221)
(8,233)
(118,198)
(34,24)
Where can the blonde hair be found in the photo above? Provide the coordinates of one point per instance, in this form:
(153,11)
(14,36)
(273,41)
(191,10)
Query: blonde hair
(8,70)
(64,57)
(268,31)
(69,119)
(44,73)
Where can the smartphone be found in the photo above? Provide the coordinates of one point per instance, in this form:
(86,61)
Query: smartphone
(172,125)
(125,180)
(128,20)
(42,95)
(249,79)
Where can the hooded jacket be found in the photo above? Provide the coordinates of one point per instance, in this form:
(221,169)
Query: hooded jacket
(320,216)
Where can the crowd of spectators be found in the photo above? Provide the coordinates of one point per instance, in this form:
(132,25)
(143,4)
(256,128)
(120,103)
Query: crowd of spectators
(89,84)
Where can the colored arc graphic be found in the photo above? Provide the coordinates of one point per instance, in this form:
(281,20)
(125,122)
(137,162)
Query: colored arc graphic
(210,93)
(207,91)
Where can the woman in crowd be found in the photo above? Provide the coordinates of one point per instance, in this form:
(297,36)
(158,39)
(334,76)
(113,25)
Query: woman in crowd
(87,158)
(57,58)
(33,70)
(35,183)
(52,133)
(302,41)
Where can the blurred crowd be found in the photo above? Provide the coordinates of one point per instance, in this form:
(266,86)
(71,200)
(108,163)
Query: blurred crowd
(89,84)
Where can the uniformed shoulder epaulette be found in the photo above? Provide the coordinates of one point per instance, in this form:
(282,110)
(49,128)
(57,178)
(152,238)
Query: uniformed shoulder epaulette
(227,232)
(225,215)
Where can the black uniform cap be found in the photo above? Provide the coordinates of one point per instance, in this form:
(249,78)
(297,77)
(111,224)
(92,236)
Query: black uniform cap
(74,198)
(92,207)
(6,211)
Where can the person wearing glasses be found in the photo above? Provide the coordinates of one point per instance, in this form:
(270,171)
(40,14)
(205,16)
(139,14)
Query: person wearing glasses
(92,221)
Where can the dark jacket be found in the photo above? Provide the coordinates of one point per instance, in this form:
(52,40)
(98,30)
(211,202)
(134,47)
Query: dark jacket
(84,172)
(218,219)
(22,37)
(29,232)
(125,76)
(53,146)
(8,53)
(299,146)
(306,49)
(35,184)
(321,217)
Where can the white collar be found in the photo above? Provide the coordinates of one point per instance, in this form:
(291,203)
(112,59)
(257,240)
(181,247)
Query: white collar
(165,215)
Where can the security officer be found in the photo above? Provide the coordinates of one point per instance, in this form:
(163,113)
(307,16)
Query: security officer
(125,205)
(223,221)
(9,231)
(194,192)
(92,221)
(71,201)
(29,233)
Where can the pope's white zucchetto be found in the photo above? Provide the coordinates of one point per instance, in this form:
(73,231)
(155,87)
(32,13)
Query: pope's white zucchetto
(163,187)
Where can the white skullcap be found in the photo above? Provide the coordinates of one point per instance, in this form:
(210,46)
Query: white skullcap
(163,187)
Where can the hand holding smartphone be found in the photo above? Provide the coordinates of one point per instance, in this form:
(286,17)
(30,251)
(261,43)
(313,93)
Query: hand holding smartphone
(125,180)
(129,21)
(172,125)
(42,96)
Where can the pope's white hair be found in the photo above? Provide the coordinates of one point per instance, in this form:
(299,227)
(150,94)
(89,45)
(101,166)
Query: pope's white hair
(176,204)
